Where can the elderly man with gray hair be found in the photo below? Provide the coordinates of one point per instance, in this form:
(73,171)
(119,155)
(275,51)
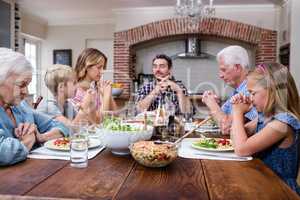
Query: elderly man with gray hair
(20,126)
(233,68)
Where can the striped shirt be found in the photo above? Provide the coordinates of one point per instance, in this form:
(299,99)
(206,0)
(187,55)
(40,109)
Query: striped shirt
(227,106)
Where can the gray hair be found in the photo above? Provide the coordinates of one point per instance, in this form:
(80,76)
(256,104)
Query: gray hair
(233,55)
(12,62)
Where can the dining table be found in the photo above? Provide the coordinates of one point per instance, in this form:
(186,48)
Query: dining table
(120,177)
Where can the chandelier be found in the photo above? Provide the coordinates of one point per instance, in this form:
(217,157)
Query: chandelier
(194,10)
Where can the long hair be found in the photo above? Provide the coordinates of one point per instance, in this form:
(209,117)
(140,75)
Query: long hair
(281,89)
(86,59)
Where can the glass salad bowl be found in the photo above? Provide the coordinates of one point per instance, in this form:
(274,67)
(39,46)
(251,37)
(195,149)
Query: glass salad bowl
(150,154)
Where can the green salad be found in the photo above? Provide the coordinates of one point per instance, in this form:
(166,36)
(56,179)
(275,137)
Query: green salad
(207,143)
(212,122)
(115,124)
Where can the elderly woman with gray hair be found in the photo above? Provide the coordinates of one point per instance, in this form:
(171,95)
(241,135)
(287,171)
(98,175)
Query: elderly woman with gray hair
(233,68)
(20,126)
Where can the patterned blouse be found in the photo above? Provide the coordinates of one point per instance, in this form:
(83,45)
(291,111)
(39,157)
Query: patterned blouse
(283,161)
(79,95)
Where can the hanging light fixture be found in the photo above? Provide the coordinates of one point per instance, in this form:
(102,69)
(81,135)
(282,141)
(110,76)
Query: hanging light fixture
(195,10)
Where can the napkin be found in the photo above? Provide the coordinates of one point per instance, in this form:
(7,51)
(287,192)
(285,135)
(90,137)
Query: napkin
(187,151)
(44,153)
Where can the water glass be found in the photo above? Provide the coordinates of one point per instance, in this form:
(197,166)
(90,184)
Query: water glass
(78,146)
(187,117)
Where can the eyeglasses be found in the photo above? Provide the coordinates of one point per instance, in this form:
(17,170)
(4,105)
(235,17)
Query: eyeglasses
(22,84)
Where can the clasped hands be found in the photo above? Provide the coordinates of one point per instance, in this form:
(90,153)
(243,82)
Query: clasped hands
(164,83)
(210,98)
(104,87)
(241,103)
(28,132)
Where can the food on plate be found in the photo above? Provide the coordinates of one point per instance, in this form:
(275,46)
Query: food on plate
(212,122)
(149,154)
(62,143)
(213,143)
(116,85)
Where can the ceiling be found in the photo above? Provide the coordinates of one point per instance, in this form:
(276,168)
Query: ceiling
(54,11)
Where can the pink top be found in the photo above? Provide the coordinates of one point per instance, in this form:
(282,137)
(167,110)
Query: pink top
(79,95)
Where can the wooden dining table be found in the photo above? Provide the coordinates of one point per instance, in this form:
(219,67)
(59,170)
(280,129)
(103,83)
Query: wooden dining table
(120,177)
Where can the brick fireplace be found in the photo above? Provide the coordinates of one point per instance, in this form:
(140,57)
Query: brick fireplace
(263,41)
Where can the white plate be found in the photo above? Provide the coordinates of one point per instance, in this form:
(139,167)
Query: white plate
(201,129)
(208,127)
(211,149)
(93,143)
(150,114)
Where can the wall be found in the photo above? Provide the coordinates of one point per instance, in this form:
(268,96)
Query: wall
(6,24)
(76,37)
(71,37)
(284,27)
(263,41)
(263,16)
(295,41)
(197,75)
(33,26)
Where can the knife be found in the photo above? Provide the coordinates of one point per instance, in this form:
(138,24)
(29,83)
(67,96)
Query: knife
(226,156)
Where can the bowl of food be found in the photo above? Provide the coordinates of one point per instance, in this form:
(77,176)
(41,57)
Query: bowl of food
(150,154)
(118,135)
(117,89)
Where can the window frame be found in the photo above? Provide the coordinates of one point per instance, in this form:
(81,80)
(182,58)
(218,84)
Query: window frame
(37,43)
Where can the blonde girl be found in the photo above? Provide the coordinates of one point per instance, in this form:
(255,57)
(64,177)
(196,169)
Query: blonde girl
(61,81)
(275,138)
(89,69)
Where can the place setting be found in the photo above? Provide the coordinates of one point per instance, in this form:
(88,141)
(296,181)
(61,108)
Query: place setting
(78,147)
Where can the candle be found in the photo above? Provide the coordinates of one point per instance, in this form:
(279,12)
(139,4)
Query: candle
(211,3)
(178,2)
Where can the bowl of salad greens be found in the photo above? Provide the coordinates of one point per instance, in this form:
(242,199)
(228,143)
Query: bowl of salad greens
(118,135)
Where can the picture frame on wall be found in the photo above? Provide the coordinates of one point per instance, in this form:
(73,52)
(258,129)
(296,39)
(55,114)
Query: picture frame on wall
(62,56)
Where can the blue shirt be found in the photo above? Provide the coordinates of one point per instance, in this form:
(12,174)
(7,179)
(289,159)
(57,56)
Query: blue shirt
(11,149)
(227,106)
(283,161)
(50,107)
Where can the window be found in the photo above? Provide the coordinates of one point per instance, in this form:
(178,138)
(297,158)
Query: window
(31,52)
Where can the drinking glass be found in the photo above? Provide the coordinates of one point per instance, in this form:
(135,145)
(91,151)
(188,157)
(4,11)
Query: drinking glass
(187,117)
(78,145)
